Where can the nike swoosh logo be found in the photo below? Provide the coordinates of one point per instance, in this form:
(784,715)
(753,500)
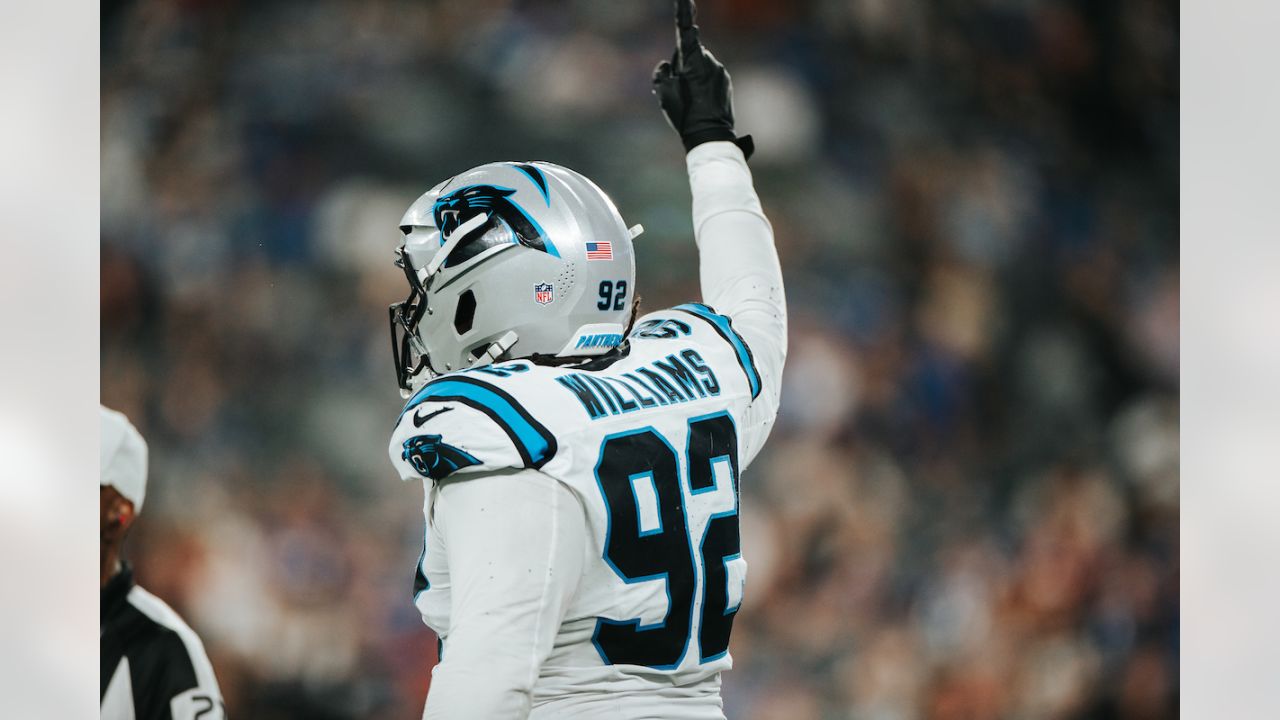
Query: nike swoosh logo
(420,420)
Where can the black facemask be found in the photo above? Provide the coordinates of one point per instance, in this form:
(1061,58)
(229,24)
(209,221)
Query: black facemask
(404,317)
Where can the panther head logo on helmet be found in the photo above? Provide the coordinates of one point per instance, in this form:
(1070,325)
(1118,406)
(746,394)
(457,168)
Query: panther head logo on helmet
(453,210)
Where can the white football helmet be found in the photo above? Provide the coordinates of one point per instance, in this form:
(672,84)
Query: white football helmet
(510,260)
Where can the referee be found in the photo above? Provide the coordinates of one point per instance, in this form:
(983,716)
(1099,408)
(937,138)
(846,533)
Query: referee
(153,665)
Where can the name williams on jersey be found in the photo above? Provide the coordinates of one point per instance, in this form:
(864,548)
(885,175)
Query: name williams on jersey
(678,378)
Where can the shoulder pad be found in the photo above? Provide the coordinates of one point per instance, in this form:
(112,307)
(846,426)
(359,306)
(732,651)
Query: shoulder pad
(458,423)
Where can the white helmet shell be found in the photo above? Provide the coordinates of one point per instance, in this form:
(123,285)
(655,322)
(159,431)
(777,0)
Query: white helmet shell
(509,260)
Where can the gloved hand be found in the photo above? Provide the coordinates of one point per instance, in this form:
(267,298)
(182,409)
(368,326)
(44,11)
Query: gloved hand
(694,89)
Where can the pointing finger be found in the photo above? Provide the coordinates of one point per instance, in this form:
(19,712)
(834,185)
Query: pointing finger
(687,43)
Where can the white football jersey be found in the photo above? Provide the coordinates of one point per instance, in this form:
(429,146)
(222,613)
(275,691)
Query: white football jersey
(652,443)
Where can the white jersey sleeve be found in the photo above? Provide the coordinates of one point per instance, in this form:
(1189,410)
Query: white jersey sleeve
(514,544)
(740,273)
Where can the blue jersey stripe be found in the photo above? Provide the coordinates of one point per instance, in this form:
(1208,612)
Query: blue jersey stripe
(722,326)
(534,442)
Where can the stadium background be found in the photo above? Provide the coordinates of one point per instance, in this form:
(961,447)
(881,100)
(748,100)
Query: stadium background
(969,506)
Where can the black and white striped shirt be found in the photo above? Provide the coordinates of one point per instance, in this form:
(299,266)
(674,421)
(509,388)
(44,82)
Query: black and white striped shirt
(153,664)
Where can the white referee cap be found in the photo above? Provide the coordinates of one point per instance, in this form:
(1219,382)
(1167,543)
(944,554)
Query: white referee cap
(124,457)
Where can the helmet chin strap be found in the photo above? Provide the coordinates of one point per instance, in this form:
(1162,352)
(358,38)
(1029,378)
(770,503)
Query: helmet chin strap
(491,354)
(495,350)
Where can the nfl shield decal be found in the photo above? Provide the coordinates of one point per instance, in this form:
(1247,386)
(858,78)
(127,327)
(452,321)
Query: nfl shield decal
(544,293)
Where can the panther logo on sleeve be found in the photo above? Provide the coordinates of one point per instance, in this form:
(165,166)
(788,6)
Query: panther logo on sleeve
(434,458)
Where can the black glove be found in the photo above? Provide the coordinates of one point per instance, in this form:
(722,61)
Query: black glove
(694,89)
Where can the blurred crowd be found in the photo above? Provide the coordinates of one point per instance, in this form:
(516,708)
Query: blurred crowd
(969,506)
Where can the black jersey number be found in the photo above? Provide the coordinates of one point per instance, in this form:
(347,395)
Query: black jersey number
(667,551)
(613,296)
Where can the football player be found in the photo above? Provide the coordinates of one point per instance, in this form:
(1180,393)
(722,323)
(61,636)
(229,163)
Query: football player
(581,465)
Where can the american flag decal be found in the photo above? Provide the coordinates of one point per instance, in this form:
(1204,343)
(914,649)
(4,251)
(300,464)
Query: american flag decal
(601,250)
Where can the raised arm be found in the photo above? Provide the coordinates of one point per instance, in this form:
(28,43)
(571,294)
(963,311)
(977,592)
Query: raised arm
(738,265)
(740,273)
